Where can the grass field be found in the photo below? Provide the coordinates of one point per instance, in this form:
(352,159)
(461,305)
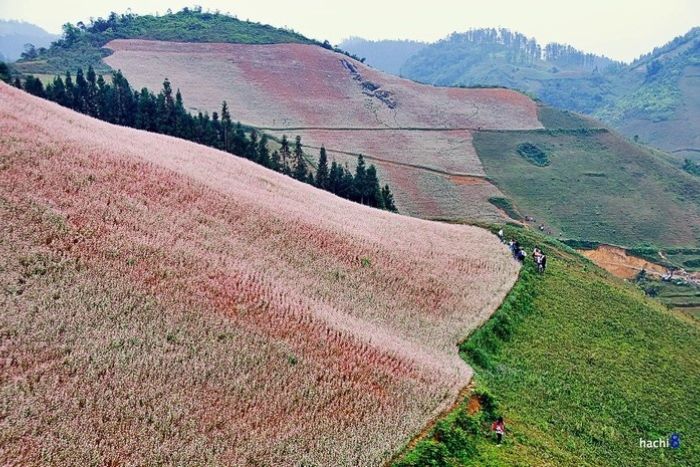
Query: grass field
(581,365)
(597,187)
(191,307)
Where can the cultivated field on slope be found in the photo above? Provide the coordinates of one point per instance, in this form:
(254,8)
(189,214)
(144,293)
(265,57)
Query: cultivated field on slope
(191,307)
(597,187)
(299,89)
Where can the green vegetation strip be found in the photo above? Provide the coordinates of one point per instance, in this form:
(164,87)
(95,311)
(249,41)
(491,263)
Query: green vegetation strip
(506,206)
(581,366)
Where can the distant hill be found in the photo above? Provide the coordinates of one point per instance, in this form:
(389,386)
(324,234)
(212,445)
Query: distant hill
(655,99)
(660,98)
(385,55)
(14,35)
(499,57)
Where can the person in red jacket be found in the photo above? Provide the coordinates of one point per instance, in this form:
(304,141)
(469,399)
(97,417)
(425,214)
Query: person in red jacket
(499,427)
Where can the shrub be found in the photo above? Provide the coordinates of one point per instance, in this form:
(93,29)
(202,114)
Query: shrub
(533,154)
(426,453)
(455,439)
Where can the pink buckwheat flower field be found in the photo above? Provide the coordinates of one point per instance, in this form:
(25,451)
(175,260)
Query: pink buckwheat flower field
(332,100)
(167,303)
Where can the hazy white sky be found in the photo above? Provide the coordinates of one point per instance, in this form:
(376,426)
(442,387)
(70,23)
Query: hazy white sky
(621,29)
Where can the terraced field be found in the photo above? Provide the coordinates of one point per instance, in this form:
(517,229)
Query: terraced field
(191,307)
(329,99)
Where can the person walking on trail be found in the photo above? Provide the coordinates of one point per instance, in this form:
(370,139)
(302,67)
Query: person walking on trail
(501,236)
(536,253)
(521,255)
(499,426)
(515,249)
(543,263)
(537,257)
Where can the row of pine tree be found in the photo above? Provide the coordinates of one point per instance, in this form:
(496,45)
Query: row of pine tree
(165,113)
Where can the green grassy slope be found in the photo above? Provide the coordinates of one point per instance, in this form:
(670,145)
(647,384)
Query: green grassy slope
(81,47)
(597,185)
(581,365)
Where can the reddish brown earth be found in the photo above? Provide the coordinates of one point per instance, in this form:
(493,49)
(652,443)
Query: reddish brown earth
(618,262)
(329,99)
(166,303)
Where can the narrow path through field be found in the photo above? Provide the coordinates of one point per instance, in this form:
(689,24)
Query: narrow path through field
(685,150)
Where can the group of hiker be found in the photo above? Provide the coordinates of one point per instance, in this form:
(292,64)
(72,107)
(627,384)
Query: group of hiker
(519,253)
(540,259)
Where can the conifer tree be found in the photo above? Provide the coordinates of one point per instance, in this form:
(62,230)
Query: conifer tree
(334,175)
(122,101)
(166,109)
(81,92)
(241,145)
(251,150)
(181,119)
(263,153)
(372,193)
(58,93)
(91,92)
(285,155)
(359,189)
(388,198)
(103,90)
(216,127)
(70,90)
(147,111)
(346,184)
(5,73)
(322,173)
(226,128)
(275,162)
(300,170)
(34,86)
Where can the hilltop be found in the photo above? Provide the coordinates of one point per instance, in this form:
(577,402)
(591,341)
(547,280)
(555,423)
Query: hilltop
(82,44)
(192,307)
(446,152)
